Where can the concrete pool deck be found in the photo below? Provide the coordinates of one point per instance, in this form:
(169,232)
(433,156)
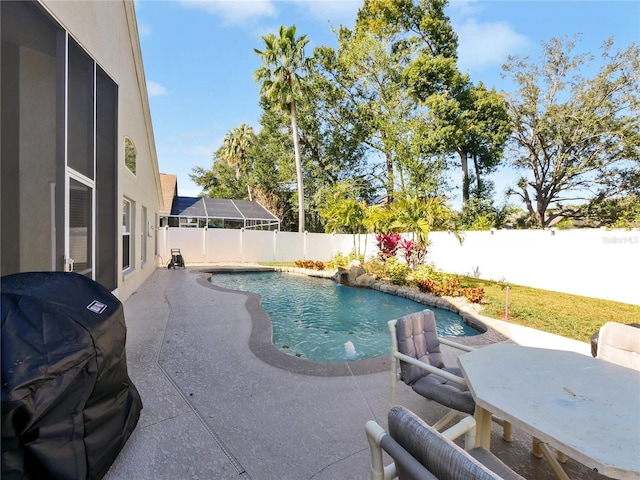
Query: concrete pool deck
(215,410)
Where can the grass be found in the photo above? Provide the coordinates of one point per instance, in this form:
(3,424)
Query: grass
(571,316)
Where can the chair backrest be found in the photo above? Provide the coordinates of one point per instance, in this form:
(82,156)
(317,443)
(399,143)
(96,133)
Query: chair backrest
(440,456)
(417,337)
(620,344)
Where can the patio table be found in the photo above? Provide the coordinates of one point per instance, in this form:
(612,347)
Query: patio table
(586,408)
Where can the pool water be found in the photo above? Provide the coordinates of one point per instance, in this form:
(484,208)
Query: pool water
(323,321)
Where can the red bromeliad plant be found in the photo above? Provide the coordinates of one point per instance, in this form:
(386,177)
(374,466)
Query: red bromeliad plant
(388,244)
(413,253)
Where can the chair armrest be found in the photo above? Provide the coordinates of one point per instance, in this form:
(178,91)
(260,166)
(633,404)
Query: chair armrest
(378,471)
(457,345)
(430,368)
(466,427)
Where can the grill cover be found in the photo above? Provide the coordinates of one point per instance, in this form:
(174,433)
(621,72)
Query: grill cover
(68,404)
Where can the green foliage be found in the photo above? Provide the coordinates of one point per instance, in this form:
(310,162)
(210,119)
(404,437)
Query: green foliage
(236,148)
(428,272)
(376,268)
(220,181)
(617,212)
(397,271)
(341,260)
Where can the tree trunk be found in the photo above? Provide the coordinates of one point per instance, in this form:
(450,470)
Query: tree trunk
(296,149)
(390,177)
(478,179)
(465,176)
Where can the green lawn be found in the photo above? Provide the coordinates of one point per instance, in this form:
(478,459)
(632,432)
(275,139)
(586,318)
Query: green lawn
(564,314)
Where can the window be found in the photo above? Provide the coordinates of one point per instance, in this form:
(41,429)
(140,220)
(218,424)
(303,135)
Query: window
(144,229)
(127,226)
(130,155)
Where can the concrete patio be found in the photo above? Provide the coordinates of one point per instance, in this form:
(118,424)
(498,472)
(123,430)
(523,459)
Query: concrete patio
(213,409)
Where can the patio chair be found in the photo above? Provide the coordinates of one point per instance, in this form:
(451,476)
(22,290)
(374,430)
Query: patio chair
(419,451)
(619,344)
(415,345)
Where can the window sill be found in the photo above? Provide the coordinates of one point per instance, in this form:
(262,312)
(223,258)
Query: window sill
(128,273)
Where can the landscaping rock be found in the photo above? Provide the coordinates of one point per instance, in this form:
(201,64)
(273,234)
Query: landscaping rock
(354,272)
(365,280)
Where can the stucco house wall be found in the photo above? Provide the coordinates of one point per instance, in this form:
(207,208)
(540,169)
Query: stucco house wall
(109,32)
(33,154)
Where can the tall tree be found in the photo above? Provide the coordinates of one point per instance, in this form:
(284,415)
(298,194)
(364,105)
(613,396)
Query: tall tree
(464,119)
(219,181)
(281,81)
(235,149)
(575,138)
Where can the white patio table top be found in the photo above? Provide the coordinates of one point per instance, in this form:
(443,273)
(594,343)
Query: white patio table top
(586,408)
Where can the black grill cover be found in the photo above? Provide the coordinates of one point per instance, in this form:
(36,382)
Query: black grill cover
(68,404)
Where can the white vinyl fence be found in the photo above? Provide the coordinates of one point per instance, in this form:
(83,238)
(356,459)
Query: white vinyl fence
(590,262)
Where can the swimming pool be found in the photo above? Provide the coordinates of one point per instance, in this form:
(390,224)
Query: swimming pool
(323,321)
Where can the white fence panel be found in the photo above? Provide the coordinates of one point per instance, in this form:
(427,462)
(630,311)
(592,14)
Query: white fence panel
(190,241)
(317,247)
(258,246)
(223,245)
(594,263)
(290,246)
(343,244)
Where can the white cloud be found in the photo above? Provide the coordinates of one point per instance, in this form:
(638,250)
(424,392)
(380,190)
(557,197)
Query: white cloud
(481,44)
(337,11)
(464,8)
(233,12)
(487,45)
(154,89)
(144,30)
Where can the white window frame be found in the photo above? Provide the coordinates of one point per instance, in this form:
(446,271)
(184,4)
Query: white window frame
(127,229)
(144,232)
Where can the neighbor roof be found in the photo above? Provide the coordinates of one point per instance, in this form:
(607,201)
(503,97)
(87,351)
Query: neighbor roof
(220,208)
(169,190)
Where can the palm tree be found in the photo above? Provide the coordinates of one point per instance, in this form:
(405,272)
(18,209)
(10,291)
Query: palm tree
(346,215)
(235,148)
(283,58)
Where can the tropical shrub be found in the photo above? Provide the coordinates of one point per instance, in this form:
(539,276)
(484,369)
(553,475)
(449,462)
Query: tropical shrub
(398,272)
(376,268)
(474,295)
(310,264)
(450,287)
(341,260)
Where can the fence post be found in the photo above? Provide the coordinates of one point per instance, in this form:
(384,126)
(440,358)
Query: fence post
(204,243)
(275,246)
(333,245)
(242,245)
(304,249)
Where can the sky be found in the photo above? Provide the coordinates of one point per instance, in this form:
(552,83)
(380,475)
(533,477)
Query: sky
(199,57)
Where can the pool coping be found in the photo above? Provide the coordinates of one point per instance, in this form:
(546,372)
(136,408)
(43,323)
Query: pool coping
(262,346)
